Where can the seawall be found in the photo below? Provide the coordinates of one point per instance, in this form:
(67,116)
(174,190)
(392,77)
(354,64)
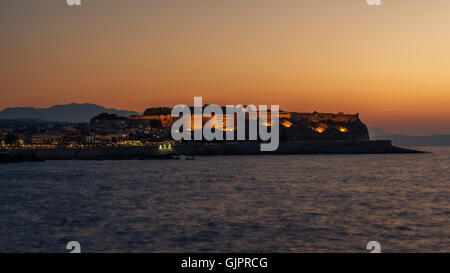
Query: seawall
(200,149)
(322,147)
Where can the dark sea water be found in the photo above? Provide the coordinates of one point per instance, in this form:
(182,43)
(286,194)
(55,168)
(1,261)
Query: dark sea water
(298,203)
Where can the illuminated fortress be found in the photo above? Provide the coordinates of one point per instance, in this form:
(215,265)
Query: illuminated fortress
(294,126)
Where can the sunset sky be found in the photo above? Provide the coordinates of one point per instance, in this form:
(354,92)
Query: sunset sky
(390,63)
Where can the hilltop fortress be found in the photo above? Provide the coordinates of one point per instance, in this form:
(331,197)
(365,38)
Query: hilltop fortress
(293,126)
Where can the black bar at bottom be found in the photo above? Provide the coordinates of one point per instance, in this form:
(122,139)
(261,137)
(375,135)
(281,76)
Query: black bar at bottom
(222,262)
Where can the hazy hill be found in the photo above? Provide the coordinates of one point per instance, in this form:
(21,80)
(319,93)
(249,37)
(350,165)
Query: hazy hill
(63,113)
(404,140)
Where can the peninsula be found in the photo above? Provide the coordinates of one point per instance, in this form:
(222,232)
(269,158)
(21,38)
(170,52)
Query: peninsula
(147,136)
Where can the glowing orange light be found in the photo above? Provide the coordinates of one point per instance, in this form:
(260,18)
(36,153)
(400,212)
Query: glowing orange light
(319,129)
(286,123)
(343,129)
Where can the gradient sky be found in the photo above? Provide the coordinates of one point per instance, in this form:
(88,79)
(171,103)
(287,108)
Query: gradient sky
(389,63)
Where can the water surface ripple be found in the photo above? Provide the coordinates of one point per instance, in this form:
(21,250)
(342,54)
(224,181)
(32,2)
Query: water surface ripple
(297,203)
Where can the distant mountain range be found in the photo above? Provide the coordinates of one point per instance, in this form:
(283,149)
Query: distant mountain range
(403,140)
(73,112)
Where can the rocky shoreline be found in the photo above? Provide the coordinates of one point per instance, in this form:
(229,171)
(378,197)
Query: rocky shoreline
(200,149)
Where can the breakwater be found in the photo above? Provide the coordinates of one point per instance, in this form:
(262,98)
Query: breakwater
(199,149)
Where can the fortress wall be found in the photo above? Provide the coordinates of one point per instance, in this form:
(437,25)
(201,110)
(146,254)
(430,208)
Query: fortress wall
(301,126)
(167,120)
(317,117)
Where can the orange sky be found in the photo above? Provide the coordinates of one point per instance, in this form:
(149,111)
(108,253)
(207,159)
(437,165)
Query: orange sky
(389,63)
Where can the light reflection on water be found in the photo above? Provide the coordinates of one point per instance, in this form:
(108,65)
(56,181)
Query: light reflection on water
(298,203)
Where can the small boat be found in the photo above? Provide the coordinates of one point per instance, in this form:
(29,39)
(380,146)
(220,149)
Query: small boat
(183,157)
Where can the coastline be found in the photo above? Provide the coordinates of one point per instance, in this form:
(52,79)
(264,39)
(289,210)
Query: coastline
(201,149)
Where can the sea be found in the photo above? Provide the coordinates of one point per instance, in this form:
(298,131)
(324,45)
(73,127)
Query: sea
(270,203)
